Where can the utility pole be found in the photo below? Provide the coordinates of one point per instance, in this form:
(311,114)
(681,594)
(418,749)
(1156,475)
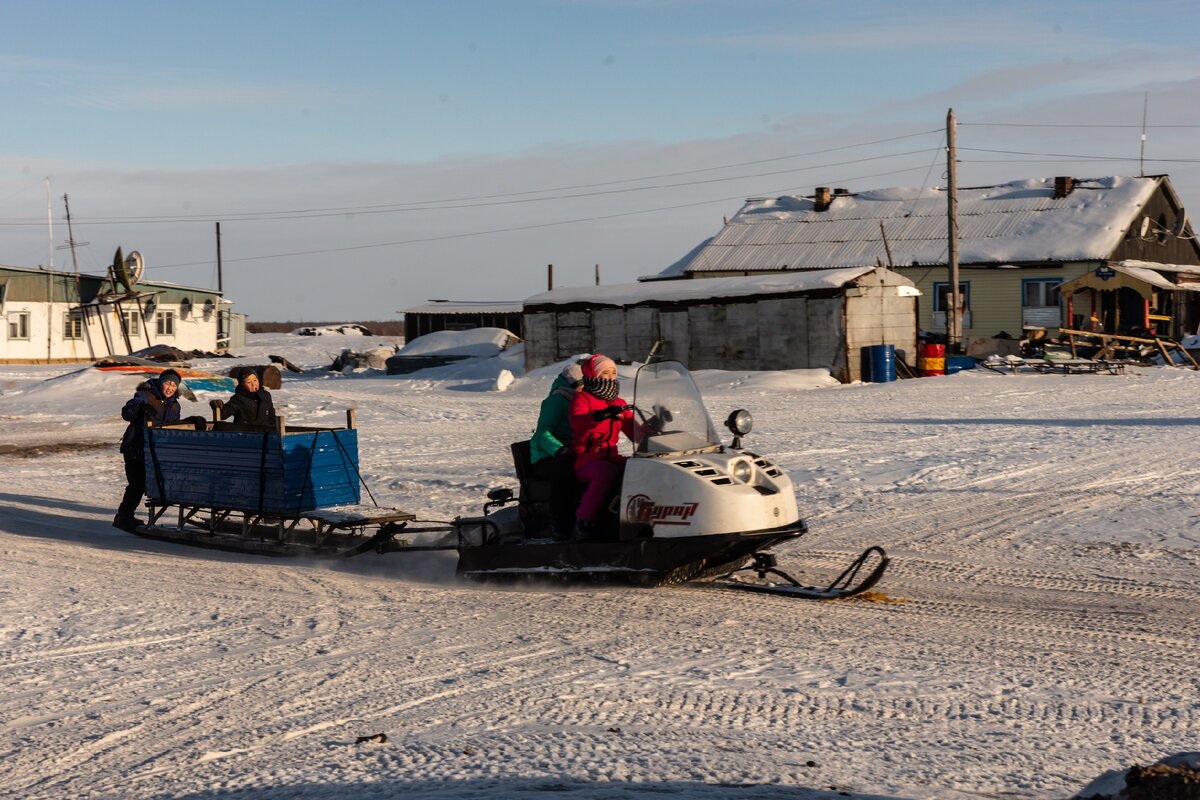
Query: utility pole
(1142,153)
(953,319)
(549,277)
(220,284)
(71,236)
(597,274)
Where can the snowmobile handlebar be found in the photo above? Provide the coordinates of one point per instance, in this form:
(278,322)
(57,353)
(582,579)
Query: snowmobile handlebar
(610,412)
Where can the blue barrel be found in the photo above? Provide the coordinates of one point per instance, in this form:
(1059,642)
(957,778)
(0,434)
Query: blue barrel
(880,363)
(959,363)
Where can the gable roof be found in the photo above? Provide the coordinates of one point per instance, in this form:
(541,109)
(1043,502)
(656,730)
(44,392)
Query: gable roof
(1021,221)
(698,291)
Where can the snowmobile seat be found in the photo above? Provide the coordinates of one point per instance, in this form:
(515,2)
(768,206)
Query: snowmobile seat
(534,499)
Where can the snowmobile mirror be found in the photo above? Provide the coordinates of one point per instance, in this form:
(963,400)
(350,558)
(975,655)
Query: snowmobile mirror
(500,495)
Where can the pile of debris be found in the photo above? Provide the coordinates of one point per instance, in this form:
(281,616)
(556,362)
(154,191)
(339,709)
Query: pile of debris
(349,329)
(1175,777)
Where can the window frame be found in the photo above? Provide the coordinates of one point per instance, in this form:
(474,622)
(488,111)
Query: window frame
(1058,282)
(134,317)
(21,318)
(72,326)
(167,317)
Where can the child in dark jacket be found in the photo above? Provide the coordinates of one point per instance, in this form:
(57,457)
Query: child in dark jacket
(250,404)
(154,402)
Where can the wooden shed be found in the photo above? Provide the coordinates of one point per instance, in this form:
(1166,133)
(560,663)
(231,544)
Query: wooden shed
(816,319)
(461,315)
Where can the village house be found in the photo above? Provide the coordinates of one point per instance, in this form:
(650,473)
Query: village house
(52,316)
(1115,254)
(815,319)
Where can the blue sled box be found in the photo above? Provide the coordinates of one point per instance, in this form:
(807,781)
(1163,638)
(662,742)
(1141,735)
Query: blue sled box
(261,471)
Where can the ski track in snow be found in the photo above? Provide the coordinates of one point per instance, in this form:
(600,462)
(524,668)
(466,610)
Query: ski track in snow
(1044,543)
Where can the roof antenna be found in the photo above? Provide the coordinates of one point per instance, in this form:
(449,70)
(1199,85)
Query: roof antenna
(1142,154)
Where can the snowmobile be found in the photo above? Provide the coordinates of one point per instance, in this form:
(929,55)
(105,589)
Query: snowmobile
(689,508)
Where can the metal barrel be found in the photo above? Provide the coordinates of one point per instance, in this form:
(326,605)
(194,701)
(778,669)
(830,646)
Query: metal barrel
(879,362)
(931,360)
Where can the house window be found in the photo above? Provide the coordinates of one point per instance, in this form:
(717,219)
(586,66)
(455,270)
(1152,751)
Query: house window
(131,323)
(1040,303)
(18,325)
(165,323)
(941,301)
(73,325)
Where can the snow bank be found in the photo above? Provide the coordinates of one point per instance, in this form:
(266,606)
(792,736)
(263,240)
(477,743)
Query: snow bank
(479,342)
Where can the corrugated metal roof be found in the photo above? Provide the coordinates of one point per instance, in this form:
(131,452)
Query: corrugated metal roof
(1020,221)
(466,307)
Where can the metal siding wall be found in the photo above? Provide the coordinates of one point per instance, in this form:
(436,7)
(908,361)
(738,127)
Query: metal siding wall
(783,333)
(674,331)
(609,333)
(641,332)
(541,340)
(826,339)
(741,332)
(574,334)
(706,349)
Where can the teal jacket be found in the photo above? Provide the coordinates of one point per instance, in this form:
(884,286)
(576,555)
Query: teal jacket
(554,422)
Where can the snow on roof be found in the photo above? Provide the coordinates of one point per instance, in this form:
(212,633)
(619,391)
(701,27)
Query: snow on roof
(628,294)
(1020,221)
(466,307)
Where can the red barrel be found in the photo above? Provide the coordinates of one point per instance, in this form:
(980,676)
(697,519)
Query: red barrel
(931,360)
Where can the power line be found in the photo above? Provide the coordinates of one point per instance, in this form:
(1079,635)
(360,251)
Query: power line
(1065,125)
(266,216)
(516,228)
(1078,156)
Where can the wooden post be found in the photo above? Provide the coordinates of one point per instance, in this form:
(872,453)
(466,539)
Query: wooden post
(350,414)
(281,425)
(953,319)
(218,413)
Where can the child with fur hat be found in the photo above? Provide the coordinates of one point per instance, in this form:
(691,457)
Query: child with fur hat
(155,401)
(598,463)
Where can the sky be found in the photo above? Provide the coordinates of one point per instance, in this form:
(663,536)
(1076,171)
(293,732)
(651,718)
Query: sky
(363,157)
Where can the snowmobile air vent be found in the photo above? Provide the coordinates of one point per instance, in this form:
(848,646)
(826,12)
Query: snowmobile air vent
(767,467)
(688,464)
(722,481)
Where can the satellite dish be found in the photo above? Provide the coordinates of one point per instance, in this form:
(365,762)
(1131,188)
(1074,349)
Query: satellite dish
(128,270)
(1144,228)
(1180,225)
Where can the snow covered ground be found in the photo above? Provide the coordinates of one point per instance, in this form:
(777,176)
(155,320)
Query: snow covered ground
(1038,626)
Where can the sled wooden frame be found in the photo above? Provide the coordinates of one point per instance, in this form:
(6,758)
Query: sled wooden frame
(335,530)
(1112,343)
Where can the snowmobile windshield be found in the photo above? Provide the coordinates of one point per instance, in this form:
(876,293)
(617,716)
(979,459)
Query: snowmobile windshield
(669,412)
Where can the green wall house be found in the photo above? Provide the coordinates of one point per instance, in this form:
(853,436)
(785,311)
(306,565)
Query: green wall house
(51,316)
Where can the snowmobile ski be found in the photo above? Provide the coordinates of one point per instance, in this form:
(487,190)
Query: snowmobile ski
(862,574)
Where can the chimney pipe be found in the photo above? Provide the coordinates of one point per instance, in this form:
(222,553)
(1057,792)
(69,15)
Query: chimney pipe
(1063,186)
(822,200)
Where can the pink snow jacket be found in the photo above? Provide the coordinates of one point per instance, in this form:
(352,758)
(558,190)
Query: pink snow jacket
(592,440)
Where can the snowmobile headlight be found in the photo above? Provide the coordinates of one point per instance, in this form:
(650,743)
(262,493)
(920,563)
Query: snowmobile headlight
(741,470)
(740,422)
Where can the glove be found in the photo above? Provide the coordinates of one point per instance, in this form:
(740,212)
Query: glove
(216,404)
